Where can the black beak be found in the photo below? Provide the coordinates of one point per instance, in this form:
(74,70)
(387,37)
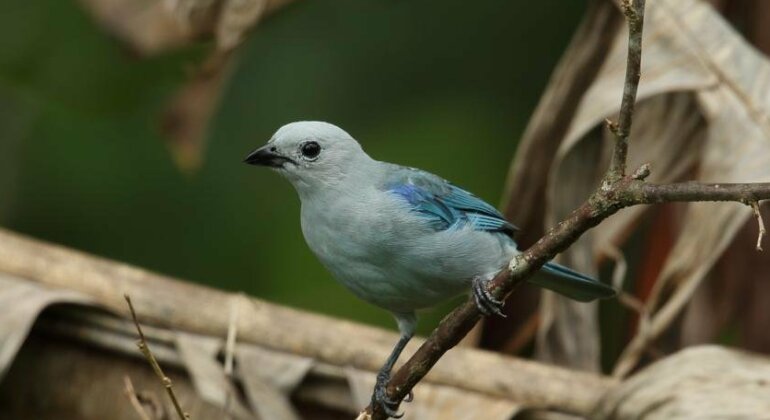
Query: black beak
(267,156)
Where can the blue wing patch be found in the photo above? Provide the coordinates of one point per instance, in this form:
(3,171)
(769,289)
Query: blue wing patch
(444,205)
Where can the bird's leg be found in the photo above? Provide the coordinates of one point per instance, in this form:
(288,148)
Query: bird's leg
(380,396)
(487,304)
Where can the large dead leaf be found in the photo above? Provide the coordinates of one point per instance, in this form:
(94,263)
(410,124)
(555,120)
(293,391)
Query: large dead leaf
(735,300)
(704,110)
(21,303)
(691,384)
(524,199)
(186,119)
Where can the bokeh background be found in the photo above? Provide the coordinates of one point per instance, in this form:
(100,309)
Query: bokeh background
(83,162)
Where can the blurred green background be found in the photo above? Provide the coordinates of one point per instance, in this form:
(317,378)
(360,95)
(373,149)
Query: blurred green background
(443,85)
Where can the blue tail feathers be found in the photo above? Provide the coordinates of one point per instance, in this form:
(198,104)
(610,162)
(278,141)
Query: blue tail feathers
(572,284)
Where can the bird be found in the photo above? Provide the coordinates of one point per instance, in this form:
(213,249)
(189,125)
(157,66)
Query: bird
(400,238)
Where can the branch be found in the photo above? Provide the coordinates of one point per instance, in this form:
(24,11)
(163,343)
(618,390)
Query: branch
(617,191)
(142,344)
(602,204)
(185,306)
(635,17)
(695,191)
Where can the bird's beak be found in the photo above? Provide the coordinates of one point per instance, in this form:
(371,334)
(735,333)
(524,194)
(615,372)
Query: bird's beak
(267,156)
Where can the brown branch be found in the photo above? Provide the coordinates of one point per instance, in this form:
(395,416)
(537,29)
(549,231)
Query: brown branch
(185,306)
(602,204)
(145,349)
(617,191)
(634,12)
(695,191)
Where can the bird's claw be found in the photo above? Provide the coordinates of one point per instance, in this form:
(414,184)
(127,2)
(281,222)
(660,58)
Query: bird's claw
(381,398)
(485,302)
(409,397)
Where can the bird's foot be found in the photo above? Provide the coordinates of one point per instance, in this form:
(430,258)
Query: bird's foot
(487,304)
(381,398)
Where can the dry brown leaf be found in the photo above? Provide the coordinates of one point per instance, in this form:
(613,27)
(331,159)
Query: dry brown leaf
(736,298)
(282,371)
(236,18)
(575,72)
(199,355)
(556,341)
(704,109)
(147,27)
(185,121)
(524,199)
(21,302)
(269,377)
(155,26)
(736,146)
(692,384)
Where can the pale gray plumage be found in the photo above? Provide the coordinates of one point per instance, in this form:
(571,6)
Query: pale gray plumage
(397,237)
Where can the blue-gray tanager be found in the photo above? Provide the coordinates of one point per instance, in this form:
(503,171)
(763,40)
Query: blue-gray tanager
(400,238)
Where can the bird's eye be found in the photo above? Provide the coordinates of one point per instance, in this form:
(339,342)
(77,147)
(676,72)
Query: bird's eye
(310,150)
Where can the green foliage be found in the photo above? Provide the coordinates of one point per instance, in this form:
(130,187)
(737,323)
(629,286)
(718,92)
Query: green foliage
(445,86)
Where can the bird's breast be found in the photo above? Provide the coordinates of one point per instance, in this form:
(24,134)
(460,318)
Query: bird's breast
(386,254)
(349,231)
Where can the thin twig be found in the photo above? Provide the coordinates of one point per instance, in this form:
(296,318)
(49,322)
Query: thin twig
(618,277)
(621,266)
(651,327)
(145,349)
(134,399)
(634,12)
(760,222)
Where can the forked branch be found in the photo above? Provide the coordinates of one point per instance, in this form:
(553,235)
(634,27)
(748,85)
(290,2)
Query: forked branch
(618,190)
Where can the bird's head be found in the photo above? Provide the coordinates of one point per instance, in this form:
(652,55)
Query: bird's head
(311,155)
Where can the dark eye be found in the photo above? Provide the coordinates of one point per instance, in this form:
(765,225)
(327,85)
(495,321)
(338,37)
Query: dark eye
(310,150)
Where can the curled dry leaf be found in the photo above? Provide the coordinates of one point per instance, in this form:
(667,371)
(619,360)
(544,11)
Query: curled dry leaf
(691,384)
(703,114)
(269,377)
(185,121)
(22,302)
(155,26)
(147,27)
(199,355)
(551,120)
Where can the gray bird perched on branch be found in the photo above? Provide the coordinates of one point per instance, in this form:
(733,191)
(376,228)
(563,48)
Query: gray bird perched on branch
(400,238)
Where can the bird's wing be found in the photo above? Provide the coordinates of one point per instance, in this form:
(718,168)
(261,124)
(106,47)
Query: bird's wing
(444,205)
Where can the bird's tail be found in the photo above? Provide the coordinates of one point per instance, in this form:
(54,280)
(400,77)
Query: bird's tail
(572,284)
